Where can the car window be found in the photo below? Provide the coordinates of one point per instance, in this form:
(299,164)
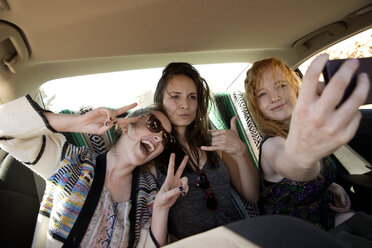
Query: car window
(121,88)
(357,46)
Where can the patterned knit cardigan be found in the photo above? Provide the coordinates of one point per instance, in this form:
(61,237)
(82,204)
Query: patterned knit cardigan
(69,172)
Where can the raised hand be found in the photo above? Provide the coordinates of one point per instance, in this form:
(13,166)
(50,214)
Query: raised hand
(317,127)
(226,140)
(234,154)
(101,120)
(173,185)
(172,188)
(97,121)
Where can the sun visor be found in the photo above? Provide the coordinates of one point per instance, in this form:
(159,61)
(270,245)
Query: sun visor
(13,49)
(13,56)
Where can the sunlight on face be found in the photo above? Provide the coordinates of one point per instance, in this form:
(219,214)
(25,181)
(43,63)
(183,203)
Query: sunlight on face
(180,101)
(141,142)
(275,96)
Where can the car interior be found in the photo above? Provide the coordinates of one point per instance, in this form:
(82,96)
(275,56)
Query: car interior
(44,40)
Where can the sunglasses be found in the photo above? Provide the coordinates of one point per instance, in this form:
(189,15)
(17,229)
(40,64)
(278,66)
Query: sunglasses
(155,126)
(202,182)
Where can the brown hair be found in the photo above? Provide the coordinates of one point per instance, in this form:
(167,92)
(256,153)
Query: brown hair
(267,127)
(197,132)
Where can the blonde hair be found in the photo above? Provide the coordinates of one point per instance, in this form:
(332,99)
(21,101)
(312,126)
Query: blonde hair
(265,126)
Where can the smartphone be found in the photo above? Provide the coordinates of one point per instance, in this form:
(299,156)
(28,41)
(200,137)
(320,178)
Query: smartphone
(365,65)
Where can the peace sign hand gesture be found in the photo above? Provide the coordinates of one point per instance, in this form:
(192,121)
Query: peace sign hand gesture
(102,119)
(173,186)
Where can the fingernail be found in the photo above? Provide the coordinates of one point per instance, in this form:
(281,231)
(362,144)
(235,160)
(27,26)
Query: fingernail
(115,122)
(106,123)
(180,188)
(110,119)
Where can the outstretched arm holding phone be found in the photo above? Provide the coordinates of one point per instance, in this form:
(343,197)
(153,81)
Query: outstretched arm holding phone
(301,126)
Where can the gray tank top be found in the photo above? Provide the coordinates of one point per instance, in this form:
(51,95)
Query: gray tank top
(188,216)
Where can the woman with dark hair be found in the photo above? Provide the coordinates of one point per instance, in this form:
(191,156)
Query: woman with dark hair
(217,158)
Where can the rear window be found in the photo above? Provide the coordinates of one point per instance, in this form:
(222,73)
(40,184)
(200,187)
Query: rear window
(117,89)
(357,46)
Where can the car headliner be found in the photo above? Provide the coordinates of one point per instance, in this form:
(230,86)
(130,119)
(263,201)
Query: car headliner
(67,38)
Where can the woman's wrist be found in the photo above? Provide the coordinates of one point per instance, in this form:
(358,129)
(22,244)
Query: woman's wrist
(154,240)
(159,225)
(243,150)
(62,122)
(160,209)
(306,166)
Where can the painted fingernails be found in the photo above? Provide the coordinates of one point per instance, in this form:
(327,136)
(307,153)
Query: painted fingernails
(182,190)
(106,123)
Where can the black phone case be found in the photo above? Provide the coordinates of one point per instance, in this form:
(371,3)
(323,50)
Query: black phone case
(365,65)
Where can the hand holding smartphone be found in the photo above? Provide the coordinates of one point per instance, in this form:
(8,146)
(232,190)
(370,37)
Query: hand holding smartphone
(365,65)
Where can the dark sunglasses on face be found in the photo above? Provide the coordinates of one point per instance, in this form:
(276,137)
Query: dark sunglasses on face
(202,182)
(155,126)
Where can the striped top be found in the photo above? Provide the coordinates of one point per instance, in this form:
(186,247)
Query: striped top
(69,172)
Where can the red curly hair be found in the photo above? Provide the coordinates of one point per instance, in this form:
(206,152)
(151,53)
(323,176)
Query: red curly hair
(265,126)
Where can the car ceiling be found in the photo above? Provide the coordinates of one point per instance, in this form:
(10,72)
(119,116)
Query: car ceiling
(66,38)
